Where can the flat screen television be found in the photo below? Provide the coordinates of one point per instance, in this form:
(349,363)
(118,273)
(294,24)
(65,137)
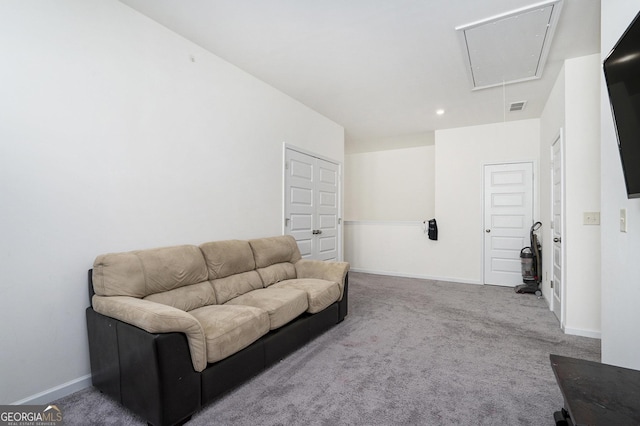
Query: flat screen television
(622,76)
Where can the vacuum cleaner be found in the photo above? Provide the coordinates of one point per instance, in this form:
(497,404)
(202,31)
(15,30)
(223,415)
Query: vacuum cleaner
(531,263)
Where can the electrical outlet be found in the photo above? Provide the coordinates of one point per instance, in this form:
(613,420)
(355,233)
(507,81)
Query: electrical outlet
(591,218)
(623,220)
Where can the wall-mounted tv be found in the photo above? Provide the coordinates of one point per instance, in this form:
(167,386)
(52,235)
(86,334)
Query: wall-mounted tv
(622,76)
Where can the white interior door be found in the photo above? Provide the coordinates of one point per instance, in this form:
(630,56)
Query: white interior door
(327,191)
(557,214)
(312,196)
(508,216)
(300,200)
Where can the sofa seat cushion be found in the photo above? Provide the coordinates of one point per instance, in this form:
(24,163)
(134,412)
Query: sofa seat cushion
(320,293)
(230,328)
(282,304)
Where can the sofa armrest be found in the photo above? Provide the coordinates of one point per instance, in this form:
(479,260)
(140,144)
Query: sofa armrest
(156,318)
(330,271)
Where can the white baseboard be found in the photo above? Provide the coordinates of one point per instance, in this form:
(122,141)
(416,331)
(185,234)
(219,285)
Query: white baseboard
(56,392)
(419,276)
(583,333)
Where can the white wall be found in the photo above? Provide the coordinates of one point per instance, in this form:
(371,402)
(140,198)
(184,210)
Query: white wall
(582,194)
(620,272)
(574,106)
(112,138)
(460,157)
(392,185)
(388,194)
(390,143)
(401,247)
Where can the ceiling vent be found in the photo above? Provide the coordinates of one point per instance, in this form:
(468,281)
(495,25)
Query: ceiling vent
(517,106)
(510,47)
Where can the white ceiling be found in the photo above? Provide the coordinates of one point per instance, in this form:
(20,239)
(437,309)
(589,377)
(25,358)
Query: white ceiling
(380,68)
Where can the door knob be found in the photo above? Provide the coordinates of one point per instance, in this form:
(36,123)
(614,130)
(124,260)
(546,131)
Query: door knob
(557,240)
(316,231)
(487,230)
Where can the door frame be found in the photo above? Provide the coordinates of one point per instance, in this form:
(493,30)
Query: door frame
(286,146)
(534,183)
(563,291)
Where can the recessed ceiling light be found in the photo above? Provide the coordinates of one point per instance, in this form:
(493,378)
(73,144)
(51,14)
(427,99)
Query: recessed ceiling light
(440,111)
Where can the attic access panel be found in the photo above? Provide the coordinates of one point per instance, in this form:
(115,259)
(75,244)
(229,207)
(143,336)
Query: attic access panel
(511,47)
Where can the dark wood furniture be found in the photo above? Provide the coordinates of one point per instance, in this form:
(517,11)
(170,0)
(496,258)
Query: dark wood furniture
(595,393)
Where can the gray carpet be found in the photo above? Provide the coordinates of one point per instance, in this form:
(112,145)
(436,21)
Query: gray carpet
(410,352)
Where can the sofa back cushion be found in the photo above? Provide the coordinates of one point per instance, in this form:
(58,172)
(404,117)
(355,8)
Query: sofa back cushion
(272,250)
(275,257)
(144,272)
(186,298)
(225,258)
(231,268)
(276,273)
(235,285)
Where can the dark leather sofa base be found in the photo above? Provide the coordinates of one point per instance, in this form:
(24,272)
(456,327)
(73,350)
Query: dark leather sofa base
(152,374)
(230,372)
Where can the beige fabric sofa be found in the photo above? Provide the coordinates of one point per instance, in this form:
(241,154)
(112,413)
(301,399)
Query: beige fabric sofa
(232,300)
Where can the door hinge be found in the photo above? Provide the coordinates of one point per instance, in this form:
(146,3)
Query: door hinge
(339,221)
(286,221)
(551,284)
(286,165)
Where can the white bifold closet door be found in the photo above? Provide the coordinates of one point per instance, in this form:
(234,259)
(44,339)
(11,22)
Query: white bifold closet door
(312,197)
